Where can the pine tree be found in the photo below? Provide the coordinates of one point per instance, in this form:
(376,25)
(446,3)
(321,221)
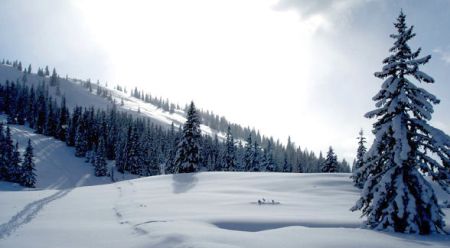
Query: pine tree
(40,72)
(47,71)
(188,153)
(15,170)
(51,120)
(300,167)
(121,155)
(3,162)
(100,167)
(359,177)
(81,146)
(331,164)
(31,108)
(54,78)
(41,111)
(248,154)
(396,196)
(28,176)
(63,117)
(174,139)
(256,162)
(73,126)
(267,162)
(7,157)
(287,167)
(230,152)
(134,157)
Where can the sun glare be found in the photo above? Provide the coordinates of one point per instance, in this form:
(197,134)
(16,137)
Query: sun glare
(246,47)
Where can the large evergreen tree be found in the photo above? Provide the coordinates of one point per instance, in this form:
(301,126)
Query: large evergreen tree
(188,153)
(396,196)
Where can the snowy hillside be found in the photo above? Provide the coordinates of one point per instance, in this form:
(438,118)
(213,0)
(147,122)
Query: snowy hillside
(76,95)
(72,208)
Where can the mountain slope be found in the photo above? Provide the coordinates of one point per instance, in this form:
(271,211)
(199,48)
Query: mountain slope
(76,95)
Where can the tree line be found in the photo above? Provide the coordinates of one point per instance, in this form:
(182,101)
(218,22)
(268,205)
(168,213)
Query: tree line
(137,145)
(286,157)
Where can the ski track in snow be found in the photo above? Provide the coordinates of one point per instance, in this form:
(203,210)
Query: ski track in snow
(28,213)
(119,214)
(31,210)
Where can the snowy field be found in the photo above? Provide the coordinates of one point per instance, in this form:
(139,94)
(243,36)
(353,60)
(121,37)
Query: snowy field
(72,208)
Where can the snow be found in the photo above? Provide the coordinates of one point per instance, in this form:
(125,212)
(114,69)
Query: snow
(76,95)
(70,207)
(208,209)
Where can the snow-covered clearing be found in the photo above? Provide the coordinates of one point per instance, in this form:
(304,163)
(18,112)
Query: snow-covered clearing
(204,210)
(72,208)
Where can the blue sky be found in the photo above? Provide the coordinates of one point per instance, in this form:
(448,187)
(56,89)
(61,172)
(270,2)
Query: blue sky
(288,67)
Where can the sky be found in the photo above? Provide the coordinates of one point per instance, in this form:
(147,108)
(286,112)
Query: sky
(298,68)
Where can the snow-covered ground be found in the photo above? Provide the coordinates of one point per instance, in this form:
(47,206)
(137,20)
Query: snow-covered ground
(72,208)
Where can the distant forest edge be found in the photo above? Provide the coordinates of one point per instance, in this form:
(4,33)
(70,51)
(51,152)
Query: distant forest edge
(144,147)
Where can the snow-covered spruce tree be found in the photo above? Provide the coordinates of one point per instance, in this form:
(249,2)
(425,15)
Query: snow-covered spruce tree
(267,162)
(63,117)
(3,164)
(100,159)
(7,152)
(331,164)
(47,71)
(15,165)
(359,177)
(133,151)
(173,140)
(248,154)
(396,196)
(230,152)
(256,162)
(28,177)
(80,141)
(187,158)
(54,78)
(120,154)
(287,167)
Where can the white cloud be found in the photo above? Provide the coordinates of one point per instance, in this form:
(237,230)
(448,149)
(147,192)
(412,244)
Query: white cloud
(444,54)
(330,10)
